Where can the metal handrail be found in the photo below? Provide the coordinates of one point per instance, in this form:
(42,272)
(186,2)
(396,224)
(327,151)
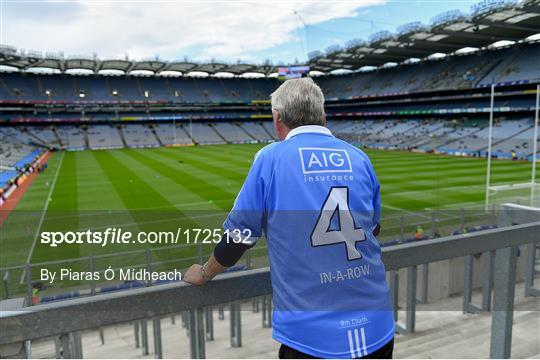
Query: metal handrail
(107,309)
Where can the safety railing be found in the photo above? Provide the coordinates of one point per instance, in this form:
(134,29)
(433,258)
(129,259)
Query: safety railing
(65,319)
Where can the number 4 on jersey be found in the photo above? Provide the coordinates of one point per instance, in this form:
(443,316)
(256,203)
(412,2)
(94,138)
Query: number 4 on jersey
(337,202)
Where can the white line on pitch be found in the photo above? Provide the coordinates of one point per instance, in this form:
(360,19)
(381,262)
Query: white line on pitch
(42,218)
(405,211)
(178,207)
(138,223)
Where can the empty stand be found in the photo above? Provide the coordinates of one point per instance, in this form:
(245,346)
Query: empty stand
(72,137)
(104,137)
(256,130)
(516,63)
(171,134)
(269,127)
(137,135)
(204,134)
(232,133)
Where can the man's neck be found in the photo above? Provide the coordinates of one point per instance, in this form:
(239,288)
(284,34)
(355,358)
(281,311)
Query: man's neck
(318,129)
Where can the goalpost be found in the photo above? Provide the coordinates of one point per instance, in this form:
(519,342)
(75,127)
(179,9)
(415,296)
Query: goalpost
(526,193)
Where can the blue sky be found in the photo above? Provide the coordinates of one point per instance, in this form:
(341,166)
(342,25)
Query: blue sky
(251,31)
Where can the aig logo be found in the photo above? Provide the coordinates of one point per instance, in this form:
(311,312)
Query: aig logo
(320,160)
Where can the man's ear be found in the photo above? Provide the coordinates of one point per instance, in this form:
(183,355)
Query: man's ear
(279,127)
(275,115)
(324,120)
(277,120)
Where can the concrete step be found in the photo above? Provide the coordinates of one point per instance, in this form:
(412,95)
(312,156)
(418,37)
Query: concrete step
(470,335)
(442,331)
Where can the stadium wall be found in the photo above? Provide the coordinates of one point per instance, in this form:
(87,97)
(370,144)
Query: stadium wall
(446,278)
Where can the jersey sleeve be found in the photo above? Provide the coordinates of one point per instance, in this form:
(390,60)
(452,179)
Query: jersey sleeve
(247,215)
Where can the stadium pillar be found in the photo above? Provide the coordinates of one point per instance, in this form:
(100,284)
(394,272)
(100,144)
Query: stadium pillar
(196,333)
(136,333)
(71,345)
(156,327)
(255,305)
(236,324)
(487,280)
(503,303)
(102,336)
(487,283)
(535,144)
(410,319)
(530,290)
(424,289)
(184,320)
(467,284)
(144,336)
(410,307)
(57,347)
(221,312)
(209,320)
(28,349)
(65,347)
(504,291)
(76,343)
(490,133)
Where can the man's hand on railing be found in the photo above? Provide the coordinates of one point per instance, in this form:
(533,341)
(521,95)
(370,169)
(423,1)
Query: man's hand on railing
(194,275)
(201,274)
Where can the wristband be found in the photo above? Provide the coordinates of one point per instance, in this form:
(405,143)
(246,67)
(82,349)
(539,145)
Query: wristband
(203,273)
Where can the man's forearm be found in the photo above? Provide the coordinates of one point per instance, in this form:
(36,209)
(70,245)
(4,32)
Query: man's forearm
(212,268)
(225,254)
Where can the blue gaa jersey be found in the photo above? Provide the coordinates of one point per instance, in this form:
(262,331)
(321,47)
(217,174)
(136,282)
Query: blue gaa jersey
(316,198)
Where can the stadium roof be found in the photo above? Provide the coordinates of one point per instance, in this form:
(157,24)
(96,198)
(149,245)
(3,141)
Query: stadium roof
(490,21)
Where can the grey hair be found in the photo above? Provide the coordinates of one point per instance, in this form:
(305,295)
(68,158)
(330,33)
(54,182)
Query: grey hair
(299,102)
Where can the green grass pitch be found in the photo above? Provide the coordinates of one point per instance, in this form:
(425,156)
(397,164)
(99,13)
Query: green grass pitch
(164,188)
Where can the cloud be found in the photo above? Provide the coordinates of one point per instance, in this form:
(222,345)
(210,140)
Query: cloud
(170,29)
